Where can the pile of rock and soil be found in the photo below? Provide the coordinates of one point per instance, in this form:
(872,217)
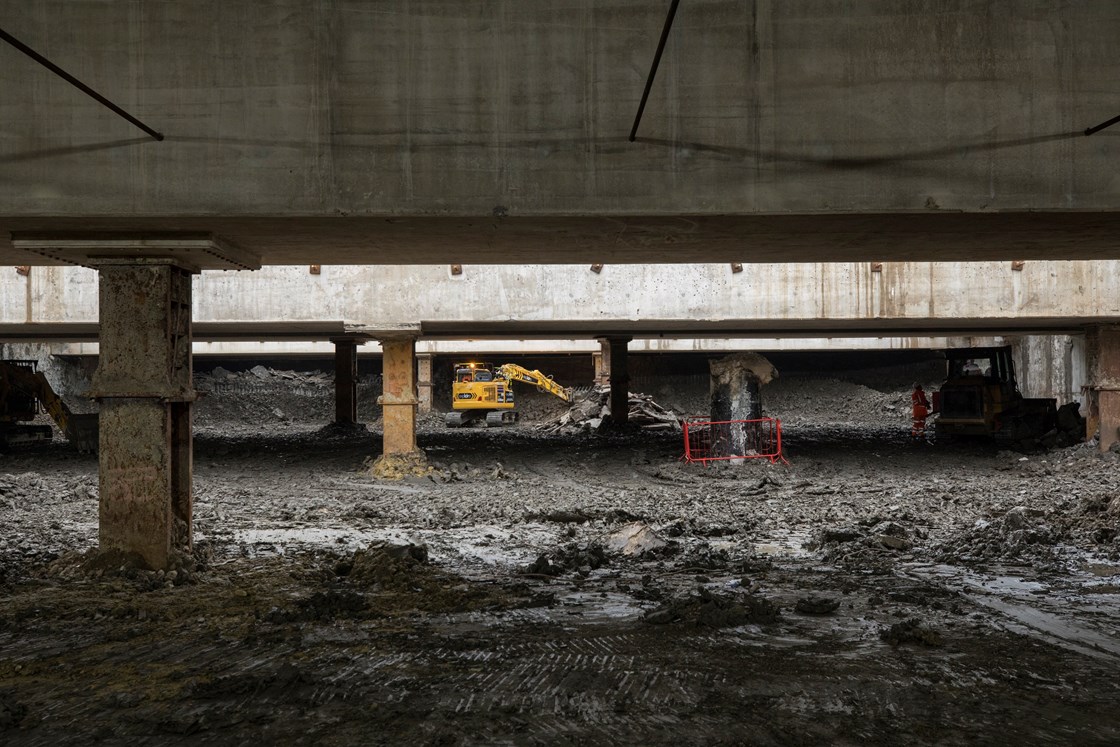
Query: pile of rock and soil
(590,410)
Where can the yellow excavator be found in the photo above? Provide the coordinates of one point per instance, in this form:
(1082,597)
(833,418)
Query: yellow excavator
(23,390)
(483,390)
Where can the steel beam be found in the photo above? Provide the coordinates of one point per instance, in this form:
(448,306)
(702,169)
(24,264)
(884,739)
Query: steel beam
(345,381)
(620,379)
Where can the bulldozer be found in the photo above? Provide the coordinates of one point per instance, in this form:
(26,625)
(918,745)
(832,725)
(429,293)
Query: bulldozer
(483,391)
(980,397)
(24,391)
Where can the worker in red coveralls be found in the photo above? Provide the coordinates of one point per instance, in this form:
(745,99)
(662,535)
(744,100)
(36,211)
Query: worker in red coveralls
(921,412)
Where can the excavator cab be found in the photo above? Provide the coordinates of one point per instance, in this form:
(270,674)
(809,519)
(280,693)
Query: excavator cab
(980,397)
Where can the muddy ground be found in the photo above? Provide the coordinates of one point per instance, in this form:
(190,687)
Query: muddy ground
(873,590)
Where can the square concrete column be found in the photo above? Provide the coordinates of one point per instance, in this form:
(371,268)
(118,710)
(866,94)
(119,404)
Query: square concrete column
(619,379)
(143,383)
(345,381)
(143,378)
(424,382)
(1102,353)
(398,397)
(601,362)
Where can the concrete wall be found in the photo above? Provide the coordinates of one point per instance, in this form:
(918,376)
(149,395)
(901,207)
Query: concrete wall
(1050,366)
(701,297)
(522,107)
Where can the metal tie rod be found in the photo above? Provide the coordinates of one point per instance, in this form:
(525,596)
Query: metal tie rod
(5,36)
(653,68)
(1103,125)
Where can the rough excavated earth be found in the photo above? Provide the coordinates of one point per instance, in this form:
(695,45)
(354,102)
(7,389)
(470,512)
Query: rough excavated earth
(573,589)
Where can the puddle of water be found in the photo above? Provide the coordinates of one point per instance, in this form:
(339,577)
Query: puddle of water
(1055,610)
(488,545)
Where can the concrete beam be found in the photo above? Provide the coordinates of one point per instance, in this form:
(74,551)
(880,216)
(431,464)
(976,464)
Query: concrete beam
(614,240)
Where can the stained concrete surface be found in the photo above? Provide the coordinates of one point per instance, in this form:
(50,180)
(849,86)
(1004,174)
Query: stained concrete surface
(874,590)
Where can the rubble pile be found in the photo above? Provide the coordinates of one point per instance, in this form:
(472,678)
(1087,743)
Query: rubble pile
(263,397)
(590,411)
(1018,534)
(861,544)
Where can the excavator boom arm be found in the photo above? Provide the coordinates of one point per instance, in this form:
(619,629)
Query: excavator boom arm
(514,372)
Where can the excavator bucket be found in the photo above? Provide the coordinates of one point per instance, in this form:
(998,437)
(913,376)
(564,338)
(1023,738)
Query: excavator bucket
(82,432)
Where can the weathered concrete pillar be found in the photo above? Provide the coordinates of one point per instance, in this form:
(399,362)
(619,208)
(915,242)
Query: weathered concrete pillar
(735,391)
(143,382)
(345,380)
(1102,351)
(143,378)
(602,363)
(398,398)
(424,382)
(619,379)
(400,456)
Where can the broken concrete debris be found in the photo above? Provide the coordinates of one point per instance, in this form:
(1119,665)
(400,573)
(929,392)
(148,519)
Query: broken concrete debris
(590,411)
(633,539)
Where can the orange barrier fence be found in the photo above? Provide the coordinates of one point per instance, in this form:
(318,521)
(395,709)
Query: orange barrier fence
(709,441)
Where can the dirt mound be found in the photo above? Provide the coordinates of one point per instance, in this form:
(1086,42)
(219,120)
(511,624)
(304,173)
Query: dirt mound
(579,557)
(265,396)
(394,567)
(800,399)
(707,610)
(1019,534)
(910,631)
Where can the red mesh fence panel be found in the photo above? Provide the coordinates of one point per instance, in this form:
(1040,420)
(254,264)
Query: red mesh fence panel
(708,441)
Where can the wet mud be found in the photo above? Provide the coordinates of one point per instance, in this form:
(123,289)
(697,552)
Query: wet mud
(573,589)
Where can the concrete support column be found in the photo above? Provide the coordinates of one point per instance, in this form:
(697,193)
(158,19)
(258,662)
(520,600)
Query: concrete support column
(602,363)
(398,398)
(619,379)
(1102,353)
(345,381)
(143,382)
(424,382)
(736,394)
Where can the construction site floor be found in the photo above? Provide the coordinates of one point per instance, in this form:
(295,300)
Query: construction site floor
(872,591)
